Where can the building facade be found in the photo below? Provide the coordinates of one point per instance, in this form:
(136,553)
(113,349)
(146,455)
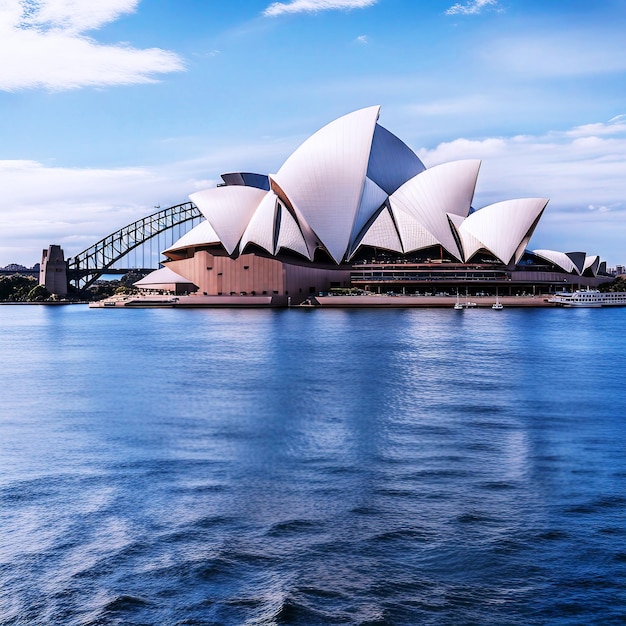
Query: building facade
(354,207)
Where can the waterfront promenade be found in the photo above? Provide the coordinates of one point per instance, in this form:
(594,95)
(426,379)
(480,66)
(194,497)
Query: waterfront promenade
(327,301)
(430,301)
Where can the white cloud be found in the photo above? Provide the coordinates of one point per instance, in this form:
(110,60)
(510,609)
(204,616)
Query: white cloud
(615,126)
(71,15)
(75,207)
(314,6)
(463,105)
(582,170)
(473,7)
(43,45)
(362,39)
(570,53)
(583,174)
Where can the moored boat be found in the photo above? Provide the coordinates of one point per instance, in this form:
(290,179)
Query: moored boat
(459,306)
(589,298)
(497,305)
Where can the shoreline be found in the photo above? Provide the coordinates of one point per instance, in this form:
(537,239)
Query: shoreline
(374,301)
(383,301)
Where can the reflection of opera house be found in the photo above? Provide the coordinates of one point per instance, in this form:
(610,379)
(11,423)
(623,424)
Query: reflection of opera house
(354,206)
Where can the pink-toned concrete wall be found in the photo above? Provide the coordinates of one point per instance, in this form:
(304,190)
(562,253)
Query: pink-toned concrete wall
(215,275)
(302,281)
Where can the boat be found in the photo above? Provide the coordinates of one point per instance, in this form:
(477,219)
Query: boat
(588,298)
(497,305)
(459,306)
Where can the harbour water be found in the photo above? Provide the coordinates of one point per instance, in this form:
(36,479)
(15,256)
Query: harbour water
(405,466)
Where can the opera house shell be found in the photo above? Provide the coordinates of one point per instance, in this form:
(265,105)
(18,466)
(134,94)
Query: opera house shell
(351,203)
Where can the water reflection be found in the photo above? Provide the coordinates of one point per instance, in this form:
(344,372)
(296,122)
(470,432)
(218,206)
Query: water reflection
(400,466)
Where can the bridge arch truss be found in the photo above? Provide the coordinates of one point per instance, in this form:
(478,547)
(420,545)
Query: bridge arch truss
(87,266)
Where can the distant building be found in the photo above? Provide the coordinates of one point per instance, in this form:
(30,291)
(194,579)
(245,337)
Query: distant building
(53,271)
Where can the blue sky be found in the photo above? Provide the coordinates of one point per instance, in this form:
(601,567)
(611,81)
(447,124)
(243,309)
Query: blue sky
(110,107)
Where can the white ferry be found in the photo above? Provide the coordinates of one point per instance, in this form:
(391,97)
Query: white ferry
(590,298)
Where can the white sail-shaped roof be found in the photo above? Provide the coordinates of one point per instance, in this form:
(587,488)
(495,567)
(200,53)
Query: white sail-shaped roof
(311,239)
(200,235)
(382,234)
(372,199)
(354,184)
(578,259)
(560,259)
(469,244)
(162,276)
(324,177)
(505,227)
(260,230)
(391,162)
(431,195)
(412,234)
(290,236)
(228,209)
(592,263)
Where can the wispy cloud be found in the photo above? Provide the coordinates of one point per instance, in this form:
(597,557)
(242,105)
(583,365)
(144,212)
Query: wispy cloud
(473,7)
(446,106)
(615,126)
(315,6)
(362,39)
(43,44)
(77,206)
(582,170)
(600,209)
(558,54)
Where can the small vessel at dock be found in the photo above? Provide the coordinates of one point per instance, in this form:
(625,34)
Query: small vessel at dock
(459,306)
(589,298)
(497,305)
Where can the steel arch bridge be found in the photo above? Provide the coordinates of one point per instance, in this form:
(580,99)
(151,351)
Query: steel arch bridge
(87,266)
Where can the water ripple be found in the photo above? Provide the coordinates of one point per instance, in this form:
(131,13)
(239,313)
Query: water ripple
(392,467)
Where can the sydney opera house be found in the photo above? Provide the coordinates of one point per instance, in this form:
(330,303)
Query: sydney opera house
(354,207)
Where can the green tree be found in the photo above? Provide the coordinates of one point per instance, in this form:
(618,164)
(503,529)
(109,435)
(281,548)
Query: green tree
(38,294)
(102,289)
(132,277)
(619,284)
(16,287)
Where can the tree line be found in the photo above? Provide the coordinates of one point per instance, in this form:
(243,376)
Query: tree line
(24,288)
